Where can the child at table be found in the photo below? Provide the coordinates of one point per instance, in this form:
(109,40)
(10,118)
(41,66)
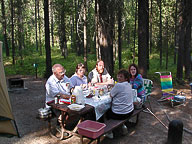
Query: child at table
(122,100)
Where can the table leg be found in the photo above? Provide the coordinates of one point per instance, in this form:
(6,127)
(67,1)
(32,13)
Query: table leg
(75,129)
(64,133)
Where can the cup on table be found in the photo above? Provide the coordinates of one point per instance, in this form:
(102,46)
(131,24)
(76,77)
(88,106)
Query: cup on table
(67,87)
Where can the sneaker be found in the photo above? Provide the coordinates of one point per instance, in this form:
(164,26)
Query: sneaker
(124,129)
(109,135)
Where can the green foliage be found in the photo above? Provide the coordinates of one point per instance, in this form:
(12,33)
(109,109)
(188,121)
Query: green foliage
(27,66)
(30,56)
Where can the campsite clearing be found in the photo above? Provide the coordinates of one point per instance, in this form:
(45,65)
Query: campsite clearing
(25,105)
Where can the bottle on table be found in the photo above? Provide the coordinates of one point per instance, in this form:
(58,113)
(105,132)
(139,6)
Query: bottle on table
(73,99)
(57,97)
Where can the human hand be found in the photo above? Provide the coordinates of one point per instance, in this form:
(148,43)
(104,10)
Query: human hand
(111,81)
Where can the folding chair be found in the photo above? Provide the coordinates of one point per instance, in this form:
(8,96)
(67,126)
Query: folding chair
(148,85)
(167,90)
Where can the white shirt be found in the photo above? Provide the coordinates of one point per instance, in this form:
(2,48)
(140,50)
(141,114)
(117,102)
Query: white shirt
(122,98)
(54,86)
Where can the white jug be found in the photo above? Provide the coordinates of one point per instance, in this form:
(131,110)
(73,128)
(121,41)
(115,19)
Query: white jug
(78,92)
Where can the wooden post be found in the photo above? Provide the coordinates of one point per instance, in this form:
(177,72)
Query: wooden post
(175,132)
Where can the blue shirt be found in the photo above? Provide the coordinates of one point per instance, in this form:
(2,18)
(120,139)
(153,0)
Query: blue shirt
(54,86)
(137,83)
(77,81)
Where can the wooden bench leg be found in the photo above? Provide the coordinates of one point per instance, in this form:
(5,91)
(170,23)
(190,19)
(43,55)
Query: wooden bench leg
(98,140)
(81,138)
(49,124)
(137,119)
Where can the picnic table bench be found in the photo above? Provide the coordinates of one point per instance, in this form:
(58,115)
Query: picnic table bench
(111,124)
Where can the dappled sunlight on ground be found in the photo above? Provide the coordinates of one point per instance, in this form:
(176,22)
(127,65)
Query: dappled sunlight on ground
(148,130)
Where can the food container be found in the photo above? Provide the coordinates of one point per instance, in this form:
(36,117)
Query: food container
(91,129)
(75,107)
(64,101)
(179,98)
(73,99)
(101,92)
(44,112)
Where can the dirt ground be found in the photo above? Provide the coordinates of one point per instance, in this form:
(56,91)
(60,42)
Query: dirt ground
(149,130)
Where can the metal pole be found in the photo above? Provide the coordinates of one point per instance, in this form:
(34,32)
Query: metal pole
(16,129)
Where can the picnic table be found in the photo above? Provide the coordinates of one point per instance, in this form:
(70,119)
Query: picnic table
(97,105)
(65,111)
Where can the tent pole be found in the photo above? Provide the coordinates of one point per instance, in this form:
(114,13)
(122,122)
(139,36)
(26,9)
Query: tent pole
(16,129)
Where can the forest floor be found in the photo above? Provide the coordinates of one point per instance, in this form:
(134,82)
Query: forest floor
(25,105)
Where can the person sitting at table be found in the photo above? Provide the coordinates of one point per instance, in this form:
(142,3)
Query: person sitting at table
(58,84)
(99,75)
(122,99)
(79,78)
(136,80)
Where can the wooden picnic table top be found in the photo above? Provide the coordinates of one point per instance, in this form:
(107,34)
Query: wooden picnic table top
(64,108)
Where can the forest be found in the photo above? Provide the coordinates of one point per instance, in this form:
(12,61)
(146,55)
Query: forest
(155,34)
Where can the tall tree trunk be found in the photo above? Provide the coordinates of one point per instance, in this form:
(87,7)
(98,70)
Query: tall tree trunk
(167,43)
(105,33)
(20,29)
(120,5)
(36,36)
(85,34)
(187,46)
(47,39)
(63,38)
(181,42)
(175,37)
(4,24)
(151,24)
(160,33)
(135,31)
(77,36)
(12,32)
(72,27)
(52,25)
(98,53)
(39,24)
(143,35)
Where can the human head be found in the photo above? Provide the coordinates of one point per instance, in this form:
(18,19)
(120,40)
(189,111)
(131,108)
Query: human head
(100,66)
(59,71)
(122,75)
(133,70)
(80,69)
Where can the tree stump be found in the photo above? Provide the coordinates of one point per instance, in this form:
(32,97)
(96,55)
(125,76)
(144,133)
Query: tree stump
(175,132)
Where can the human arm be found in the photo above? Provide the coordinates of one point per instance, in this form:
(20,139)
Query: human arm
(55,87)
(114,91)
(64,96)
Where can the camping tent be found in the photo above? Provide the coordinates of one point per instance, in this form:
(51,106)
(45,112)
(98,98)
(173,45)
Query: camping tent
(6,116)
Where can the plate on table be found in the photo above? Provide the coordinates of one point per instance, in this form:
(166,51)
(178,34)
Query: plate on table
(75,107)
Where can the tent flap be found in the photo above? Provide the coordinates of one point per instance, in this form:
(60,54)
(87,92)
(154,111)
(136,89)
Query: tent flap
(6,126)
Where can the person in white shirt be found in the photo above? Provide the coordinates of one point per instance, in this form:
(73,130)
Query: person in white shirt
(58,84)
(122,99)
(99,75)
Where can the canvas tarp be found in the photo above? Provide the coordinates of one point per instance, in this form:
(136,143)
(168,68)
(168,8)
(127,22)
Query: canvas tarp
(6,116)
